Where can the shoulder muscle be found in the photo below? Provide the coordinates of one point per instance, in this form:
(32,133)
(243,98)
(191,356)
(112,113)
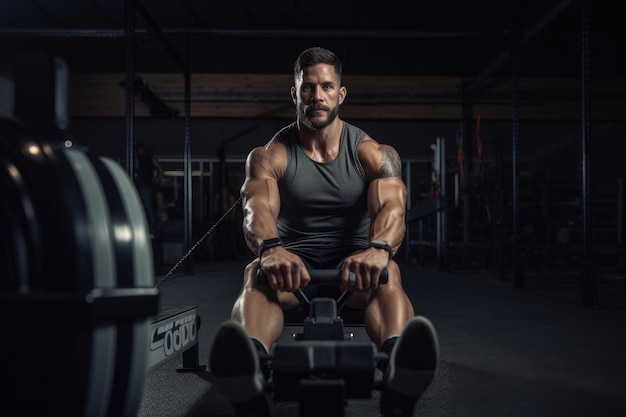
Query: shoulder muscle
(267,161)
(379,160)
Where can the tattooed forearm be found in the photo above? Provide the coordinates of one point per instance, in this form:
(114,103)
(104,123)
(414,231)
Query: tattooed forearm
(251,241)
(392,166)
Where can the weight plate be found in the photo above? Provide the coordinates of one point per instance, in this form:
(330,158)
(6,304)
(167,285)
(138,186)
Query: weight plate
(135,269)
(104,269)
(20,243)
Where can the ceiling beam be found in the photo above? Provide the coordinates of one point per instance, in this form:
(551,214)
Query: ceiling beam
(246,33)
(528,34)
(156,29)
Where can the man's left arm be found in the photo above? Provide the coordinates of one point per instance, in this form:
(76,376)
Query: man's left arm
(386,202)
(387,199)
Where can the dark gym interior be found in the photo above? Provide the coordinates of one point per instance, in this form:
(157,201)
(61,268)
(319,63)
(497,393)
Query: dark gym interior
(509,116)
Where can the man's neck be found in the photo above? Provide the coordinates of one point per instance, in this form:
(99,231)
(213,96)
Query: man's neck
(321,145)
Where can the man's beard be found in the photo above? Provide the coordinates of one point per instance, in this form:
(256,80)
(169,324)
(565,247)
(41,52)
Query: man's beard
(317,124)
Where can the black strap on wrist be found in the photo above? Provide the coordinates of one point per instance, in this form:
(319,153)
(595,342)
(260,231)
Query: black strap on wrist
(269,243)
(381,244)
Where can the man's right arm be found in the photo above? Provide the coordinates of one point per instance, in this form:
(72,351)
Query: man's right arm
(260,197)
(261,206)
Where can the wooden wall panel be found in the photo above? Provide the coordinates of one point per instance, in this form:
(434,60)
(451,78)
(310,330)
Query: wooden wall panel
(429,98)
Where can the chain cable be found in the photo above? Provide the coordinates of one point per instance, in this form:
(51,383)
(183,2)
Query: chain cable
(186,255)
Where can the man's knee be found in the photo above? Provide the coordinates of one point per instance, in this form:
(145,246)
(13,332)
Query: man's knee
(393,272)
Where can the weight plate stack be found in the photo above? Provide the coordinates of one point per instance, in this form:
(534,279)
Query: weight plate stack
(76,280)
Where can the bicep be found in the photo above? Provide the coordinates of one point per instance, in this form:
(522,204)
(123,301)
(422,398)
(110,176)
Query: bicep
(260,194)
(387,193)
(383,167)
(260,188)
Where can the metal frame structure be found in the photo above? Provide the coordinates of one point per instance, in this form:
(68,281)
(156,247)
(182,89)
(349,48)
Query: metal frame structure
(518,39)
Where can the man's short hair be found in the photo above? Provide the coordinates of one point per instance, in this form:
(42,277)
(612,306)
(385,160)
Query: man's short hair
(314,56)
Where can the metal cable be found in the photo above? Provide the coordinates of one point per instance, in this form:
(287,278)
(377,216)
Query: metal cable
(186,255)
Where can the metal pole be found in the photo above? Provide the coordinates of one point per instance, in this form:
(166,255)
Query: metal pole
(590,290)
(467,172)
(187,157)
(518,276)
(129,30)
(441,213)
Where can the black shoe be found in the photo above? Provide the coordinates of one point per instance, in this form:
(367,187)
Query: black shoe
(236,371)
(411,368)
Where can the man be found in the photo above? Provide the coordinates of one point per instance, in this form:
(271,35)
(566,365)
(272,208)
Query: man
(323,194)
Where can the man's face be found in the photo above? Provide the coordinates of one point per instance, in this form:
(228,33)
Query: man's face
(317,96)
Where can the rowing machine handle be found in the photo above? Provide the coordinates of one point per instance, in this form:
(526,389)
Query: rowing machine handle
(322,276)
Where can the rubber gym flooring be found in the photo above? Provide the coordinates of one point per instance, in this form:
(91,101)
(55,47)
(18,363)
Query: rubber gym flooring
(505,351)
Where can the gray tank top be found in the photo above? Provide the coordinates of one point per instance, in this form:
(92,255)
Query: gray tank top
(323,205)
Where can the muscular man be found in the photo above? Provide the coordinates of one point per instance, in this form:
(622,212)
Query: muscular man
(323,194)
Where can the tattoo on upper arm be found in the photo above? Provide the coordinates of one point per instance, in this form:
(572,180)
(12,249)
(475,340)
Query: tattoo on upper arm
(259,163)
(391,164)
(259,156)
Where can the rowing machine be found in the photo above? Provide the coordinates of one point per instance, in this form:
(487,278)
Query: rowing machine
(323,363)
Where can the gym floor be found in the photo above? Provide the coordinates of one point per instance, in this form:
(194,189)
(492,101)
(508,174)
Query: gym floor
(504,351)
